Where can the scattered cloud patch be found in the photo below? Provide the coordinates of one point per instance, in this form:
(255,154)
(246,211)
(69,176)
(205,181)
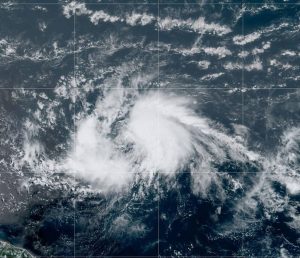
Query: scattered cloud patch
(243,40)
(221,52)
(199,25)
(255,65)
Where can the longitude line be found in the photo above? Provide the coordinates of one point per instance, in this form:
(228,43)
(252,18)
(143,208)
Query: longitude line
(243,112)
(158,183)
(74,125)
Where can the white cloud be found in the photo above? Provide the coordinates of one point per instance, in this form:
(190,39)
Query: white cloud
(162,133)
(103,16)
(203,64)
(32,147)
(233,66)
(243,40)
(243,54)
(276,63)
(138,18)
(289,53)
(72,7)
(157,130)
(255,65)
(211,76)
(199,25)
(221,52)
(96,159)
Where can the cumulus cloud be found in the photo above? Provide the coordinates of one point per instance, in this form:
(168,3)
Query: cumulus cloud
(199,25)
(221,52)
(139,18)
(32,147)
(157,129)
(167,134)
(255,65)
(211,76)
(243,40)
(74,7)
(204,64)
(167,23)
(103,16)
(96,159)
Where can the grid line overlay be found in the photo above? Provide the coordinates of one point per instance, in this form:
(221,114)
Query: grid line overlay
(74,121)
(158,69)
(155,3)
(161,89)
(243,110)
(158,179)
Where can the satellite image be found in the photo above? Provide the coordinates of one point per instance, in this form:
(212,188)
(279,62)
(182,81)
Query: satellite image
(149,128)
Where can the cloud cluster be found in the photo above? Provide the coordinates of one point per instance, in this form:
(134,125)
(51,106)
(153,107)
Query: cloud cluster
(158,133)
